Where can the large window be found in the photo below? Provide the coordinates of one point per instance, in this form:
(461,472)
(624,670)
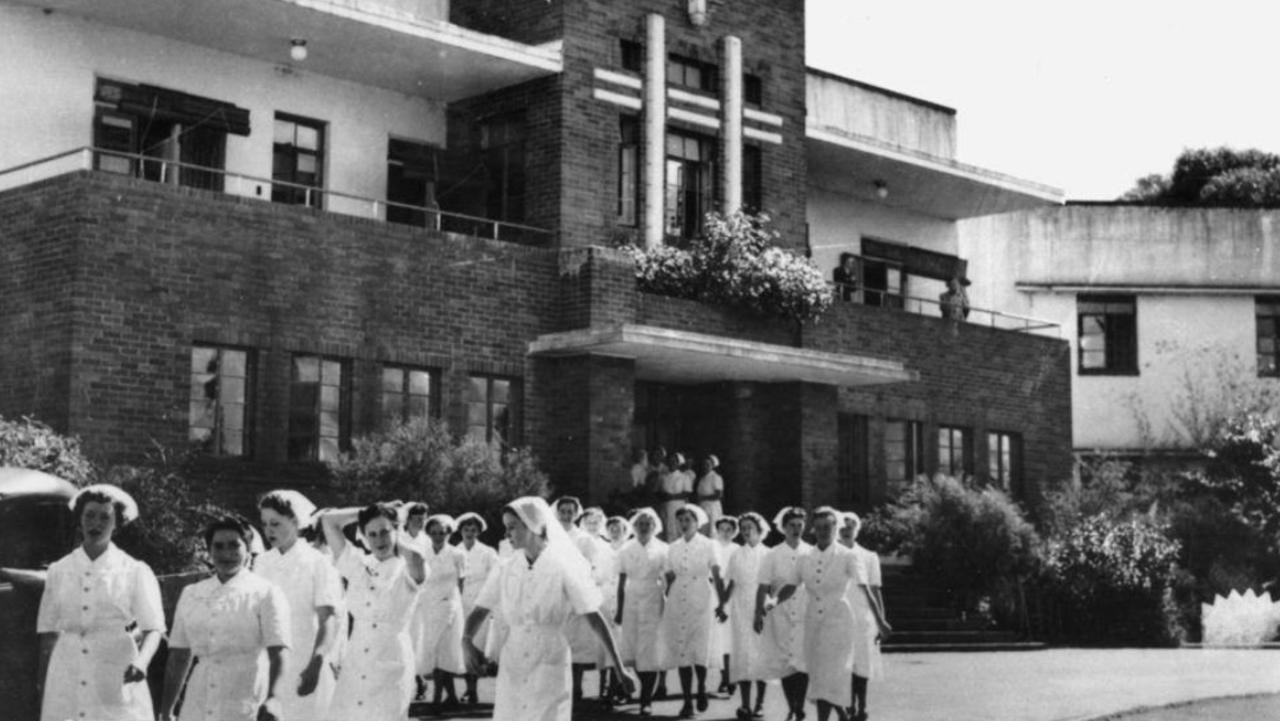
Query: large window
(502,143)
(851,463)
(411,181)
(693,74)
(221,387)
(752,178)
(690,183)
(1107,342)
(628,169)
(1268,317)
(408,393)
(492,409)
(319,400)
(298,159)
(903,455)
(955,451)
(1003,450)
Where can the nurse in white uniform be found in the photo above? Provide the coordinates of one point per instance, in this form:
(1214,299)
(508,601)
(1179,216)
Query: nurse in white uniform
(237,623)
(692,572)
(481,561)
(538,592)
(780,610)
(641,587)
(870,624)
(382,588)
(724,531)
(90,666)
(314,591)
(746,660)
(439,642)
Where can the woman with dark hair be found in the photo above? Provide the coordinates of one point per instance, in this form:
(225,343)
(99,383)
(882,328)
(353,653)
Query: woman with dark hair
(377,680)
(481,560)
(746,660)
(692,572)
(237,623)
(314,591)
(90,666)
(640,600)
(438,631)
(545,585)
(780,618)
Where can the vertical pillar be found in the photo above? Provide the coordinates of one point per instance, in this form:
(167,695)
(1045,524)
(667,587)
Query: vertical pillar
(731,122)
(655,127)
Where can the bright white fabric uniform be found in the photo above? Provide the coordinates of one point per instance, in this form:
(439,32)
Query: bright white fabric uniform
(481,561)
(828,624)
(783,638)
(536,601)
(866,652)
(309,581)
(721,633)
(228,627)
(687,617)
(676,483)
(88,603)
(643,566)
(746,660)
(376,683)
(583,642)
(707,485)
(497,627)
(437,620)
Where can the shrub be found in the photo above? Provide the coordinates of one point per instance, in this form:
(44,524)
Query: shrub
(1243,472)
(420,461)
(1113,581)
(28,443)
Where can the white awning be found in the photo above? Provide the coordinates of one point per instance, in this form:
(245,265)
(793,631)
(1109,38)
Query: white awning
(673,356)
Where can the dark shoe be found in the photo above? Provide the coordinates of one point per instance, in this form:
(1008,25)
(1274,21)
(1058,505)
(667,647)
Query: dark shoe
(686,711)
(702,701)
(758,711)
(469,698)
(743,713)
(660,694)
(646,709)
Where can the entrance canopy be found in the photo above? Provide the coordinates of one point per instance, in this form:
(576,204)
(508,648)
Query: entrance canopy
(673,356)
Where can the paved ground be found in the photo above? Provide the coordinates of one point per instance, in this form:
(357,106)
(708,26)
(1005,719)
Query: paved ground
(1052,685)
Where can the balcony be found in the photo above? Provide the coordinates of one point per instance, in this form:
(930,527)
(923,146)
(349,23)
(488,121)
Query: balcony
(174,173)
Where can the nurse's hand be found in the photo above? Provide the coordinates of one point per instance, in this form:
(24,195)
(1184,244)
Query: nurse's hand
(133,674)
(628,679)
(310,676)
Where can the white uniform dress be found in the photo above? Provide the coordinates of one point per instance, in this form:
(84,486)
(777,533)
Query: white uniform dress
(828,624)
(746,660)
(866,652)
(88,603)
(676,483)
(309,581)
(437,632)
(481,561)
(710,484)
(721,633)
(377,682)
(228,627)
(604,571)
(536,601)
(687,617)
(643,566)
(497,627)
(783,638)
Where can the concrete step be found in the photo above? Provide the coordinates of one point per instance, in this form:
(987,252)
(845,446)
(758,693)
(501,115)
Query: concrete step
(962,647)
(951,637)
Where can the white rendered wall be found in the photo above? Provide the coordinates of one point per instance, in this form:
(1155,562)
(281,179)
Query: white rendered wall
(49,65)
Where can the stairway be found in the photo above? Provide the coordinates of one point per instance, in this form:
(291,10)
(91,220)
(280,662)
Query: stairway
(922,620)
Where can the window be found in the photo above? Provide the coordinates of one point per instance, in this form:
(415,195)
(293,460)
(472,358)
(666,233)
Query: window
(752,90)
(851,463)
(631,55)
(690,183)
(628,169)
(221,383)
(955,452)
(1108,334)
(297,158)
(1002,460)
(502,144)
(319,425)
(903,454)
(693,74)
(1268,316)
(752,178)
(491,410)
(411,181)
(407,393)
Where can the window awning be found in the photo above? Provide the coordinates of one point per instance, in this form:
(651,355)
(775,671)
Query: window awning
(673,356)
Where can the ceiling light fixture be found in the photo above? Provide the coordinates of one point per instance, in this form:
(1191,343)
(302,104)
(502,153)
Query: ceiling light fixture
(298,49)
(882,189)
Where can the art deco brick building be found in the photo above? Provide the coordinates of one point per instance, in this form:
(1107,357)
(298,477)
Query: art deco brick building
(272,225)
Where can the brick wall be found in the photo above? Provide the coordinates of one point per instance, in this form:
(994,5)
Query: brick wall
(526,21)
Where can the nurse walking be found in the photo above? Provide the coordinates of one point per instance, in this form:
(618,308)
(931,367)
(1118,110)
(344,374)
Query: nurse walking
(746,660)
(377,680)
(481,561)
(314,592)
(438,637)
(640,600)
(90,666)
(691,569)
(870,624)
(538,592)
(237,623)
(780,618)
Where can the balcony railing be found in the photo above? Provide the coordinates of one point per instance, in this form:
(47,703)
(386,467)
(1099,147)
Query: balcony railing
(925,306)
(173,172)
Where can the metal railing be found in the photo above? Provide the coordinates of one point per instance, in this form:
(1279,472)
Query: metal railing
(173,172)
(930,307)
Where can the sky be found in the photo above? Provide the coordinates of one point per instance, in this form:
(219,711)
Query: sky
(1086,96)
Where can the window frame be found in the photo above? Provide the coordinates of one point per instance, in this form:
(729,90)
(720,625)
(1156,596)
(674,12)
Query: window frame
(912,455)
(704,193)
(406,393)
(291,195)
(752,177)
(248,404)
(629,182)
(965,449)
(1118,342)
(513,407)
(679,67)
(1272,304)
(1004,466)
(343,437)
(853,450)
(504,160)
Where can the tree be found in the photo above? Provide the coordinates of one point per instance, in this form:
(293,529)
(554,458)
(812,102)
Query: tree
(1214,177)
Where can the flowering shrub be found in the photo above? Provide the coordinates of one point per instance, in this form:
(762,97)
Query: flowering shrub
(28,443)
(737,263)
